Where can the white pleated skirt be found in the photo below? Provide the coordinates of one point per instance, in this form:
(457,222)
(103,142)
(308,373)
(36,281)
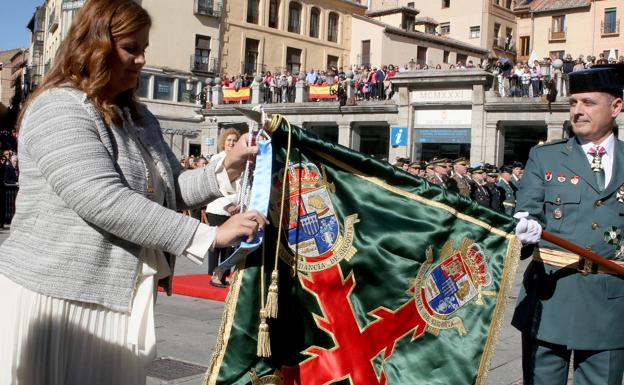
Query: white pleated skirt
(52,341)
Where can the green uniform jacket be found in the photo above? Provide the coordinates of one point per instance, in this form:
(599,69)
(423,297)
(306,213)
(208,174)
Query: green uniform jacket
(509,200)
(561,305)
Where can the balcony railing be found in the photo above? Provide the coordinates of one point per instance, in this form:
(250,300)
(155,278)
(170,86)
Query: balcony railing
(204,64)
(610,28)
(557,35)
(208,8)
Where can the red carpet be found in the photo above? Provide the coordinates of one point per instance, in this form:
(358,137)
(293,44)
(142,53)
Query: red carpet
(198,286)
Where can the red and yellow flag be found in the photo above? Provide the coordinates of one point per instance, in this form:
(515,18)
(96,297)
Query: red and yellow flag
(323,91)
(230,94)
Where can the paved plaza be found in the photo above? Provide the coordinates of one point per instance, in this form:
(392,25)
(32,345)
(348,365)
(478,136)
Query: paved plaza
(186,330)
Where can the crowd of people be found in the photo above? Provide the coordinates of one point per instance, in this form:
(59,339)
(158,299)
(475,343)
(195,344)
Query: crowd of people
(9,175)
(526,78)
(488,185)
(522,79)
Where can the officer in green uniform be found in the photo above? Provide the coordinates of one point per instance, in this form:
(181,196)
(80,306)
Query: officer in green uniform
(459,182)
(504,182)
(574,188)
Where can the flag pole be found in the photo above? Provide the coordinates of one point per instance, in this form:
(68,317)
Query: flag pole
(587,254)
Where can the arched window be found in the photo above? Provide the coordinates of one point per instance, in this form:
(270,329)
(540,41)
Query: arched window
(294,17)
(274,13)
(332,27)
(315,17)
(253,7)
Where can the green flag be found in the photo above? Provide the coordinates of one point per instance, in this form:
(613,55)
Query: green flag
(381,278)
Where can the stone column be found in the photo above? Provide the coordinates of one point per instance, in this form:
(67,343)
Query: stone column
(209,135)
(301,92)
(554,130)
(255,93)
(494,143)
(559,80)
(217,95)
(478,131)
(345,134)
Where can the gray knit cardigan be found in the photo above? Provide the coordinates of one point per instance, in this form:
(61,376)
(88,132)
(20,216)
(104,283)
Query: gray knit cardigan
(82,216)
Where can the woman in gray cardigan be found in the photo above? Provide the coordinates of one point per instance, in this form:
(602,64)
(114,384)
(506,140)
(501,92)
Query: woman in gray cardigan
(96,210)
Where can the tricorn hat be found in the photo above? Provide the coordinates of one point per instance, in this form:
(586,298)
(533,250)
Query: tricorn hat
(599,78)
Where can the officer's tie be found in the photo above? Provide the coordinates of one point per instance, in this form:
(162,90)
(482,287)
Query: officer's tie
(596,165)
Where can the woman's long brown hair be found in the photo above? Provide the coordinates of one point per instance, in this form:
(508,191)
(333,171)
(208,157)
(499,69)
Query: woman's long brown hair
(85,56)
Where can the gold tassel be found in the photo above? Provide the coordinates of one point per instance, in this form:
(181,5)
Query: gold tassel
(271,305)
(264,343)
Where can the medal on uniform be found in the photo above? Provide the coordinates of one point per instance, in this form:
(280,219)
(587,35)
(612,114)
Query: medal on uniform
(613,236)
(561,178)
(620,194)
(574,179)
(548,176)
(557,214)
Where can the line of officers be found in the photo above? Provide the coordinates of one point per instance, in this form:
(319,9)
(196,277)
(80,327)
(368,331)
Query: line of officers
(487,184)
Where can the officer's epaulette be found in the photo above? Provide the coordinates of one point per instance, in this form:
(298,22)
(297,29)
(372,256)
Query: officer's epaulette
(551,142)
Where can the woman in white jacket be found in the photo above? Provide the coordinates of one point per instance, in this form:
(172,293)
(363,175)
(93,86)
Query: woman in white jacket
(97,210)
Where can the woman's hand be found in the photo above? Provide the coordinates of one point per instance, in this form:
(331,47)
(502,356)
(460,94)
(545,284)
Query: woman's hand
(244,225)
(236,159)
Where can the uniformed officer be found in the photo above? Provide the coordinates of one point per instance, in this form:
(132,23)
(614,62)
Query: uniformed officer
(516,173)
(458,182)
(423,170)
(496,193)
(574,188)
(402,163)
(478,192)
(504,182)
(440,171)
(414,168)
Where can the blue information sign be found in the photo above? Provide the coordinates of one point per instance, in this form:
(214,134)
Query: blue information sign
(399,136)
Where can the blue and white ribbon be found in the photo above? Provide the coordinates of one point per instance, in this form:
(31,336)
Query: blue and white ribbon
(260,194)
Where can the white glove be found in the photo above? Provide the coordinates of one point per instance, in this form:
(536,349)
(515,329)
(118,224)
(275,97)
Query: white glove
(528,231)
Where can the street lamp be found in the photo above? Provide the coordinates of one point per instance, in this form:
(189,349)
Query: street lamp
(189,84)
(412,64)
(545,69)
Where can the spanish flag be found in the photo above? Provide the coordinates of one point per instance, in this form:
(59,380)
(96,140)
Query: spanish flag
(323,91)
(379,278)
(231,95)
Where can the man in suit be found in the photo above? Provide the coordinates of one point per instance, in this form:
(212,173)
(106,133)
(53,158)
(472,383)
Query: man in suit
(504,182)
(459,182)
(574,188)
